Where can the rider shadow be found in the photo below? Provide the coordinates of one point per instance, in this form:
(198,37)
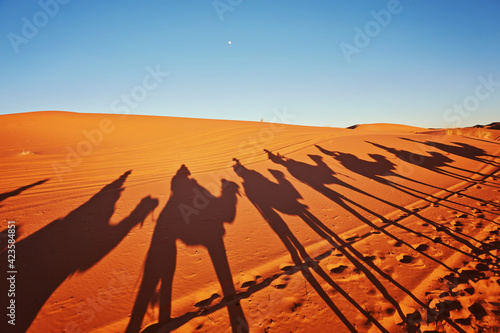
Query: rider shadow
(196,217)
(317,176)
(460,149)
(436,162)
(376,170)
(271,198)
(75,243)
(382,167)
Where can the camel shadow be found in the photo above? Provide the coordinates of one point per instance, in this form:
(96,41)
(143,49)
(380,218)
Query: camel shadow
(317,176)
(460,149)
(18,191)
(381,167)
(6,195)
(66,246)
(436,162)
(196,217)
(273,197)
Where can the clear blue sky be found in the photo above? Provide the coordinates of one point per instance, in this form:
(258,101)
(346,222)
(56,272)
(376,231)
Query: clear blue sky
(284,53)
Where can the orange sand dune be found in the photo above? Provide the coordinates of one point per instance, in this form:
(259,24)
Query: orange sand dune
(139,223)
(387,127)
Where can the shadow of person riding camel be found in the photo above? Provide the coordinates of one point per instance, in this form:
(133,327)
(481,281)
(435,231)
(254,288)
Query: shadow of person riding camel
(273,197)
(461,149)
(69,245)
(435,162)
(379,168)
(318,176)
(196,217)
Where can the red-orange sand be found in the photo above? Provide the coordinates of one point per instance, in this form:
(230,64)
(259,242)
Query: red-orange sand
(132,223)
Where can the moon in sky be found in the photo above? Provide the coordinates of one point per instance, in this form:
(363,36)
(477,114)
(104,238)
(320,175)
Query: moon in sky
(229,42)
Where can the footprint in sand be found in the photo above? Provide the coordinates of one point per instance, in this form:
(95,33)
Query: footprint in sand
(477,311)
(395,243)
(336,253)
(337,269)
(457,225)
(403,215)
(482,267)
(405,258)
(439,228)
(369,258)
(350,237)
(437,240)
(422,247)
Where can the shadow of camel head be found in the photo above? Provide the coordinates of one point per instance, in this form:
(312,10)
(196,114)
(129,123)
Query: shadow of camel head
(378,157)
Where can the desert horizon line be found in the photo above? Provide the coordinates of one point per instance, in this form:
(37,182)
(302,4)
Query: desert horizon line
(284,117)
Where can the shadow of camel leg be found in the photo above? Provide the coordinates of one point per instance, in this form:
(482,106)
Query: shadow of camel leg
(148,286)
(153,274)
(218,255)
(166,282)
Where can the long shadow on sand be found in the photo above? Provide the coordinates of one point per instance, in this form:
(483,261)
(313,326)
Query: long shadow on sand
(373,170)
(461,149)
(317,176)
(271,197)
(380,168)
(18,191)
(436,162)
(6,195)
(66,246)
(196,217)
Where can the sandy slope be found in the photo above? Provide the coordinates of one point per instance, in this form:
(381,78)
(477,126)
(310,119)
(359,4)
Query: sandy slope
(379,228)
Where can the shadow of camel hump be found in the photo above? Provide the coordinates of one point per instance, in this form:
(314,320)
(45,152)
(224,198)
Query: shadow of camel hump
(380,166)
(196,217)
(68,245)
